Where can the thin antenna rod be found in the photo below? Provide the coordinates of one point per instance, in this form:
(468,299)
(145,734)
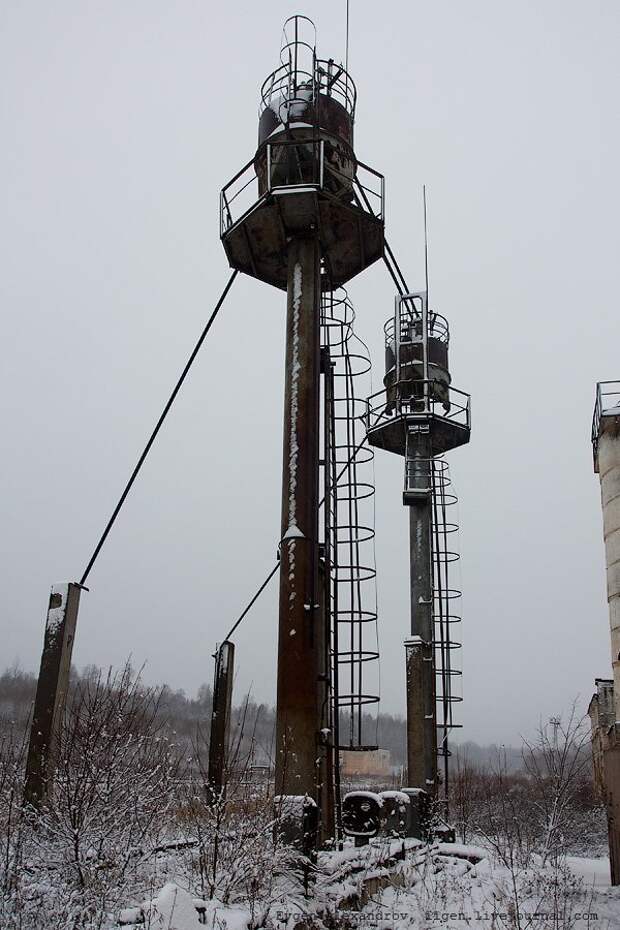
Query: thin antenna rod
(425,242)
(346,53)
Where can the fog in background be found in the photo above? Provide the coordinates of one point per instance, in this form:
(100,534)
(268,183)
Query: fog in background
(121,122)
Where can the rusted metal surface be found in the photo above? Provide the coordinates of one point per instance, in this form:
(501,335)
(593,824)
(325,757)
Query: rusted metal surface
(219,739)
(351,238)
(51,696)
(362,815)
(421,708)
(325,785)
(304,204)
(325,112)
(299,641)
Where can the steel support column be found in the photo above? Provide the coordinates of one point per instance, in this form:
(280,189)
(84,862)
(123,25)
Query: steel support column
(326,793)
(421,711)
(298,642)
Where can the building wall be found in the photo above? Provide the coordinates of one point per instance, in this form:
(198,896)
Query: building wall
(604,707)
(609,472)
(602,716)
(376,762)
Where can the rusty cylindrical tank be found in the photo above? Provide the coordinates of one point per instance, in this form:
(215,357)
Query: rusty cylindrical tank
(404,376)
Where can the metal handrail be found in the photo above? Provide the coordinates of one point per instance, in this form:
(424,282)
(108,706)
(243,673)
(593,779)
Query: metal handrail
(459,411)
(601,409)
(322,169)
(438,327)
(327,78)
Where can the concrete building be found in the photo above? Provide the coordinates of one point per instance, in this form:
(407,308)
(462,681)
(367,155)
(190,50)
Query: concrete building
(374,763)
(602,717)
(604,707)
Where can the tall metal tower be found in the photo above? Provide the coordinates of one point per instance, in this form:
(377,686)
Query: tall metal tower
(420,416)
(305,216)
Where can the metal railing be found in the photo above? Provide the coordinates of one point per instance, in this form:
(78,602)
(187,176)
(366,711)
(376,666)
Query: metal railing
(294,165)
(411,326)
(386,405)
(293,85)
(607,402)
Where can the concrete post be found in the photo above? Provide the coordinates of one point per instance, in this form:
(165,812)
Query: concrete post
(52,687)
(298,640)
(219,740)
(421,710)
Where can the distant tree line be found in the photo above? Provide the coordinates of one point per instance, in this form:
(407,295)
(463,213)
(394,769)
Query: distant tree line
(184,717)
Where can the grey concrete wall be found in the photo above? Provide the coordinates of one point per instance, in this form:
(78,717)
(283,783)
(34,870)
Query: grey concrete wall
(609,472)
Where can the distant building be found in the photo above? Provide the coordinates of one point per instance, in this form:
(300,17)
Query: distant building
(374,763)
(602,717)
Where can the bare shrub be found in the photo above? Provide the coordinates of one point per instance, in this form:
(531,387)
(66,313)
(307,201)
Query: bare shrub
(557,761)
(111,801)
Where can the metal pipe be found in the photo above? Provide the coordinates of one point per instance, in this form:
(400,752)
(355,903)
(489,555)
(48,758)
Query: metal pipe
(298,644)
(421,711)
(328,761)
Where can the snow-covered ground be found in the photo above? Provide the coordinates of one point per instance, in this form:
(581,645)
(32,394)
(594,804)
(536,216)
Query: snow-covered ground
(490,897)
(593,871)
(438,887)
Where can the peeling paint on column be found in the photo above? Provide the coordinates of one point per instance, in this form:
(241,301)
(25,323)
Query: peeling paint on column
(297,711)
(293,440)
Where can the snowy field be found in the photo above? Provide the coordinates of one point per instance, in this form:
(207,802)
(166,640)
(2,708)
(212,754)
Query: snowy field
(441,886)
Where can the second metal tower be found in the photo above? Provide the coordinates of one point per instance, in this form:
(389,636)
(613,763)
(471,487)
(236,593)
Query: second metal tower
(420,416)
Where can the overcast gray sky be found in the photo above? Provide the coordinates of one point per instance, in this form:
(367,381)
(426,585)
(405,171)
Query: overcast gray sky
(121,121)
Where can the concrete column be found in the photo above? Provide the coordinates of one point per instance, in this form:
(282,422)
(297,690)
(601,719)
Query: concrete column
(52,687)
(298,641)
(219,740)
(611,774)
(609,472)
(421,710)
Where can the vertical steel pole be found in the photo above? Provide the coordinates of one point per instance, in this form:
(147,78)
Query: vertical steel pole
(298,642)
(219,738)
(52,687)
(421,710)
(327,771)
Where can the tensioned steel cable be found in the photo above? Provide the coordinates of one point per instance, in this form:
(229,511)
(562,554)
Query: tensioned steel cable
(254,599)
(277,565)
(158,426)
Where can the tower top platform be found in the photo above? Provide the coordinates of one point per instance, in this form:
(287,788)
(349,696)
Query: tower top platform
(606,416)
(418,394)
(304,179)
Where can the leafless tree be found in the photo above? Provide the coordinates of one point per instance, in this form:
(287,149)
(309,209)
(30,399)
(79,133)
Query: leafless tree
(465,794)
(556,762)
